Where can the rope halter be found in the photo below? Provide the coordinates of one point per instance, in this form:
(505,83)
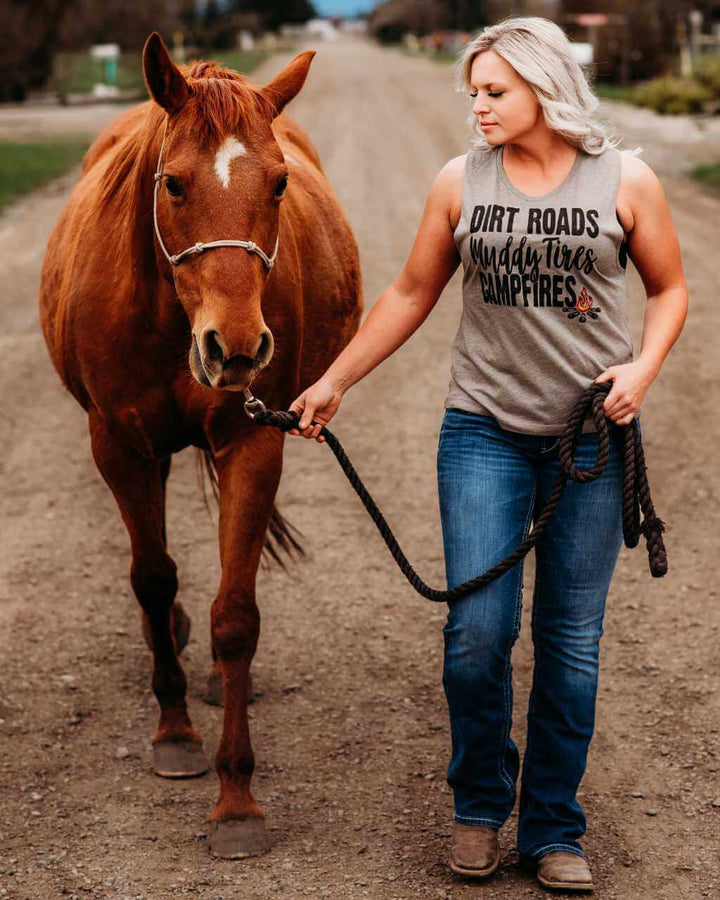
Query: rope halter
(201,246)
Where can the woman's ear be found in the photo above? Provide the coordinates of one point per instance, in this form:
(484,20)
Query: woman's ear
(166,83)
(281,90)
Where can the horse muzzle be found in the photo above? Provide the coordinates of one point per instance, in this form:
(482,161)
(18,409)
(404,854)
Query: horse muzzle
(213,366)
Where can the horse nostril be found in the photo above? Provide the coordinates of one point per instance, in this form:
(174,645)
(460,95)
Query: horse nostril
(213,350)
(264,343)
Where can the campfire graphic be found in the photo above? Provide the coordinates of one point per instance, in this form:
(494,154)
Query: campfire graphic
(583,308)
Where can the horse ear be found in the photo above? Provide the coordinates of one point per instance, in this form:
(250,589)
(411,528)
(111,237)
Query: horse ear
(281,90)
(165,81)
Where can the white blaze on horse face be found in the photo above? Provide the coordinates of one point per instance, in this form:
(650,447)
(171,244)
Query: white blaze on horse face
(228,150)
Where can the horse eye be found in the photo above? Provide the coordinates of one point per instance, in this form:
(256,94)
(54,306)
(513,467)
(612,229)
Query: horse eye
(173,187)
(281,185)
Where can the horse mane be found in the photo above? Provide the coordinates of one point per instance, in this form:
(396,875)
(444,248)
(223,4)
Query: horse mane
(220,101)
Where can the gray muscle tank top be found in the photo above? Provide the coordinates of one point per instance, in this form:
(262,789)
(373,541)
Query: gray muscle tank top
(545,303)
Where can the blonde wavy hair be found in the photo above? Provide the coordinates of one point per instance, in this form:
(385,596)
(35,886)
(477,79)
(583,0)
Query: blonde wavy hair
(540,52)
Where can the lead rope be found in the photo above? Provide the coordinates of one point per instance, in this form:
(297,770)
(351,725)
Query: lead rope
(636,490)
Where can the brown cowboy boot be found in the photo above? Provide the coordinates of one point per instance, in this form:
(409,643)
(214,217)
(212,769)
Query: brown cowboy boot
(565,870)
(475,850)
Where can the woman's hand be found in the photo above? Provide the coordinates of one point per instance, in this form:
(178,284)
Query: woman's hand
(320,403)
(630,384)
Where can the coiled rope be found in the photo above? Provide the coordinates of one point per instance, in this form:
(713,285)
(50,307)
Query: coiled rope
(636,491)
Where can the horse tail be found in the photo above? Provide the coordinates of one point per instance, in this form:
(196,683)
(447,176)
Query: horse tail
(279,536)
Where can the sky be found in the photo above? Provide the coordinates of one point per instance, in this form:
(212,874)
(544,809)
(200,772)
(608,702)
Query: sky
(328,7)
(343,7)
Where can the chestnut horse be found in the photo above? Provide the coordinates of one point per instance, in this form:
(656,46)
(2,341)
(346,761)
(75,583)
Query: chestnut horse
(158,350)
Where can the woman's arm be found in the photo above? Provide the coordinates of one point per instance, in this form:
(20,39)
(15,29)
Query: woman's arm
(655,251)
(404,305)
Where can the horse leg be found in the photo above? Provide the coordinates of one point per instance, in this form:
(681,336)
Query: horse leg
(136,482)
(180,621)
(213,693)
(248,477)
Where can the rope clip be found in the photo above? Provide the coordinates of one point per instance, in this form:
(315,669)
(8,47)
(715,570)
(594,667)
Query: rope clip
(254,407)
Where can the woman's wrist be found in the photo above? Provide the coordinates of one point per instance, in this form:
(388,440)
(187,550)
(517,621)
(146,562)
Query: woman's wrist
(651,365)
(338,382)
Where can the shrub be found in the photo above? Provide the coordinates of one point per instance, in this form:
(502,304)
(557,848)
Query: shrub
(708,73)
(672,95)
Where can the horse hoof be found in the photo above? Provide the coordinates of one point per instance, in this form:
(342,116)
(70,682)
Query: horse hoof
(238,838)
(179,759)
(213,693)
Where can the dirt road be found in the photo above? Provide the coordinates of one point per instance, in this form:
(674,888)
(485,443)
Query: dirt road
(350,731)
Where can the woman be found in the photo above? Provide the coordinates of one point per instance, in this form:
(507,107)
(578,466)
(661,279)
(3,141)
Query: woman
(543,212)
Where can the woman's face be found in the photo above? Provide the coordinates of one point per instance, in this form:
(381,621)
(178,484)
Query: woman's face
(504,104)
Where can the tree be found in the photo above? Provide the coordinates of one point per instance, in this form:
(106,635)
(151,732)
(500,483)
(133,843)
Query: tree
(125,22)
(28,40)
(275,13)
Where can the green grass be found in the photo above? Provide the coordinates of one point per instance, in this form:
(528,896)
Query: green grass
(25,167)
(76,73)
(708,175)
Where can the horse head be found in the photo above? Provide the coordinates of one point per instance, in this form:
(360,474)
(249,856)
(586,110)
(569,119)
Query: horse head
(221,176)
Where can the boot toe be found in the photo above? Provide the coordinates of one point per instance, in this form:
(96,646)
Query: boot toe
(563,869)
(475,850)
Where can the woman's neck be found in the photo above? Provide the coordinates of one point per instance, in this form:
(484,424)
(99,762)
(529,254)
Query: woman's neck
(539,152)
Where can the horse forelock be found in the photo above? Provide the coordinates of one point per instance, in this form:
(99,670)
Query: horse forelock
(221,101)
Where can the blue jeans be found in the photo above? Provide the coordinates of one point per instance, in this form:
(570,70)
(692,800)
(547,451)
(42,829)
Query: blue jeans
(490,483)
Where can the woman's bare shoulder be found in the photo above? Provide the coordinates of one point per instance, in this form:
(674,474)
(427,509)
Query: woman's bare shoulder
(449,183)
(638,184)
(636,174)
(453,170)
